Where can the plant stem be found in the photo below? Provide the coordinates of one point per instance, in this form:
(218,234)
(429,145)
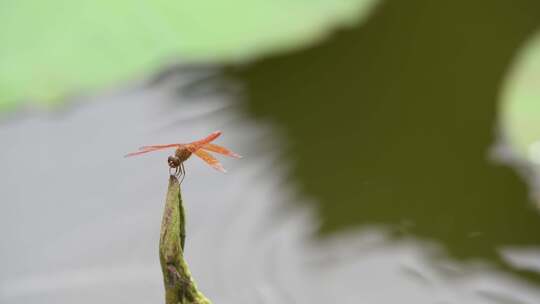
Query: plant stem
(179,285)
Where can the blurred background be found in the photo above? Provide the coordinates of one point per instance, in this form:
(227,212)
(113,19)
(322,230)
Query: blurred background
(391,149)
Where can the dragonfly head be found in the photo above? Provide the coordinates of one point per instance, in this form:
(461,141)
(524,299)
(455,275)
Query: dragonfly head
(174,161)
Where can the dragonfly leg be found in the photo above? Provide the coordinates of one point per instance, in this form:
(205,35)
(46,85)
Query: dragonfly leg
(183,170)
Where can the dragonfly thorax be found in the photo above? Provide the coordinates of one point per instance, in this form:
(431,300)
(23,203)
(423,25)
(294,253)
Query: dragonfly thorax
(180,156)
(183,154)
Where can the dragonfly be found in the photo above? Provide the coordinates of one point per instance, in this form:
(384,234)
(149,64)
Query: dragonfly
(200,148)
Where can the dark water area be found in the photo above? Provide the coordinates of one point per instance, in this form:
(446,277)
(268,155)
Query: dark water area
(369,174)
(393,123)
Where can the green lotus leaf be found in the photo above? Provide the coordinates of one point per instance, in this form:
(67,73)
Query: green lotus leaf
(55,48)
(520,107)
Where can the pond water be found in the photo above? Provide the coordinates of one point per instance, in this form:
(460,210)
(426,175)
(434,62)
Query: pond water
(372,173)
(80,223)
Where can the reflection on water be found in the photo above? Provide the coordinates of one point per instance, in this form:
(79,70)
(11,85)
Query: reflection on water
(392,124)
(80,224)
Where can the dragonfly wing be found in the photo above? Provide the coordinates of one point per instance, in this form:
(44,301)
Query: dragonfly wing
(138,153)
(220,150)
(194,146)
(157,147)
(209,159)
(147,149)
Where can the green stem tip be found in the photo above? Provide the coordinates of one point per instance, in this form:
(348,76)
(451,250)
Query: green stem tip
(179,285)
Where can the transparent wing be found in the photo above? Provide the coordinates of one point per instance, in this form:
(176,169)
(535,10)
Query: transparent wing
(158,147)
(209,159)
(147,149)
(220,150)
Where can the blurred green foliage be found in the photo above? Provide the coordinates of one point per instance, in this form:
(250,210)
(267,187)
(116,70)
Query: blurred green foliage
(520,108)
(53,48)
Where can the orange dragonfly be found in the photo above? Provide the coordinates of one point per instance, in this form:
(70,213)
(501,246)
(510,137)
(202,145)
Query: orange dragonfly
(184,151)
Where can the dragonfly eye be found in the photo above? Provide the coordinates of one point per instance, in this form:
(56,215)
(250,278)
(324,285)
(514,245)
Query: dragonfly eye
(173,161)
